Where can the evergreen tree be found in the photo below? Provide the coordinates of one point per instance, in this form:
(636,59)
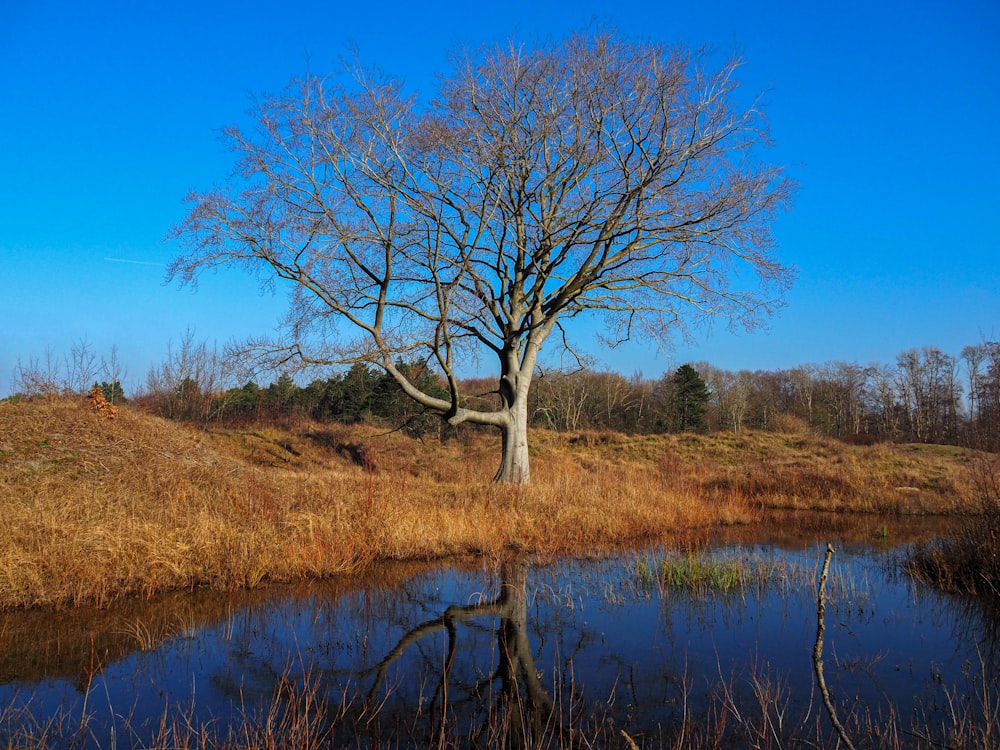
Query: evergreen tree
(355,396)
(688,402)
(245,402)
(280,395)
(113,391)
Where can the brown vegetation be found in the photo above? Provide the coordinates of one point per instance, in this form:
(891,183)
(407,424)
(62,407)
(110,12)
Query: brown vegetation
(967,560)
(100,404)
(94,509)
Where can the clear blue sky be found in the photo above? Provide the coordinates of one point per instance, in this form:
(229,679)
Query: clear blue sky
(887,113)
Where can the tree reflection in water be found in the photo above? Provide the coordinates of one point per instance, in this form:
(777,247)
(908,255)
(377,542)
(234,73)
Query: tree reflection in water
(523,710)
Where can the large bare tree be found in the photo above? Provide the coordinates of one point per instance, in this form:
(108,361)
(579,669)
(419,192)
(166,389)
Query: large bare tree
(542,182)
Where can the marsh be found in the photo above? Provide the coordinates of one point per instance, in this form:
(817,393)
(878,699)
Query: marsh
(601,650)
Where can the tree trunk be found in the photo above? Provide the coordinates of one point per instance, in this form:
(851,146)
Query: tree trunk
(514,465)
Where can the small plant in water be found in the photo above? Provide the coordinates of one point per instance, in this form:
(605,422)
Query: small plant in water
(703,573)
(645,571)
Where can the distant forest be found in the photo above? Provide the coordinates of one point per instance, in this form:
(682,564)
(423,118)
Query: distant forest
(926,396)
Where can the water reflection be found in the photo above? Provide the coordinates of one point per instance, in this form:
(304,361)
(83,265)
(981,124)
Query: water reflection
(541,654)
(517,699)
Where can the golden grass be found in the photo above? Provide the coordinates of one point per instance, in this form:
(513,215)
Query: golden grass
(94,509)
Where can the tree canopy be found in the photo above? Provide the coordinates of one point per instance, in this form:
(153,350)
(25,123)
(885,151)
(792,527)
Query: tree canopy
(592,174)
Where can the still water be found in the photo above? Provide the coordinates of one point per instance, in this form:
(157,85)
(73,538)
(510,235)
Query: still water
(409,654)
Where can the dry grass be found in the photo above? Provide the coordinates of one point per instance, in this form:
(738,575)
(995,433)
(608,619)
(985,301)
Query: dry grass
(94,509)
(967,560)
(792,472)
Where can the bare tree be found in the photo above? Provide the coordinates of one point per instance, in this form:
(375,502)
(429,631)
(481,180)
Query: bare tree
(840,396)
(886,409)
(989,396)
(930,392)
(182,385)
(114,372)
(802,381)
(730,394)
(82,366)
(642,402)
(544,182)
(982,365)
(737,398)
(561,400)
(618,402)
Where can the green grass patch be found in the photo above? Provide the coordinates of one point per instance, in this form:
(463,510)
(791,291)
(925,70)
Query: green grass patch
(705,573)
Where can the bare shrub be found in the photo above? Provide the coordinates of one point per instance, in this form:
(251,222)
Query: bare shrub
(39,376)
(181,387)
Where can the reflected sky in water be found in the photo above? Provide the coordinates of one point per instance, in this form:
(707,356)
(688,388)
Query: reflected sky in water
(603,642)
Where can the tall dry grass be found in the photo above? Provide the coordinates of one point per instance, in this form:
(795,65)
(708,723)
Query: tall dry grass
(967,560)
(94,509)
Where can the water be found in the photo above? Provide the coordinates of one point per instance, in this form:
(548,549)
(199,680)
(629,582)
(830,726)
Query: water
(592,642)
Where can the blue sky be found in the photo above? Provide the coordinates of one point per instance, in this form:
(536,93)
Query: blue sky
(886,114)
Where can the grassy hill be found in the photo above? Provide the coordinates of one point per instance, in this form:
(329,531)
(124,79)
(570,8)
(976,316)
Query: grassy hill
(95,508)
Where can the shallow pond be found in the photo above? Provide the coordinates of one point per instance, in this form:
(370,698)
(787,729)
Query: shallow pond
(589,652)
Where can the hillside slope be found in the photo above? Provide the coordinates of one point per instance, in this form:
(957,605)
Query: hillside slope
(96,508)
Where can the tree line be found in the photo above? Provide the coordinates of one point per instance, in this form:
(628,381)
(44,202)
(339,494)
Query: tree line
(925,396)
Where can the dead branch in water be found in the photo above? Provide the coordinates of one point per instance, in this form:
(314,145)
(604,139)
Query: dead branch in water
(818,649)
